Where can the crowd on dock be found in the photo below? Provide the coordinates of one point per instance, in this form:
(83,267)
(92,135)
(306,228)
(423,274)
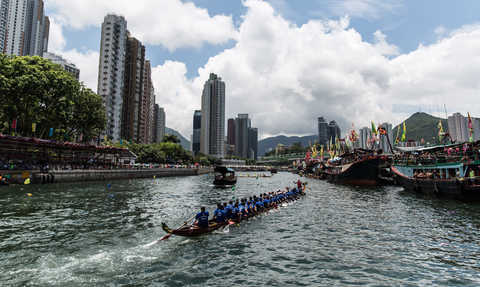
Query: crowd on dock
(46,165)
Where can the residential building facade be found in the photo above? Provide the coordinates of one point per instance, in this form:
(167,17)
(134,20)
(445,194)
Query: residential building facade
(213,117)
(111,73)
(197,127)
(160,118)
(68,66)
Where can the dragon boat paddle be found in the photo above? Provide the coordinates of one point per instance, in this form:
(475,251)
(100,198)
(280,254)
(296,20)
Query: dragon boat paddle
(168,235)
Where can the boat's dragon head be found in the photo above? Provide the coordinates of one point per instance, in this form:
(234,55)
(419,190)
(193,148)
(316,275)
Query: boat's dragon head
(165,227)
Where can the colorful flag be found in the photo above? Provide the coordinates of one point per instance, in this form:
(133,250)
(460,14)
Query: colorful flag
(441,134)
(105,137)
(422,141)
(470,127)
(374,130)
(14,124)
(66,135)
(51,132)
(321,151)
(121,141)
(34,127)
(398,135)
(81,137)
(404,133)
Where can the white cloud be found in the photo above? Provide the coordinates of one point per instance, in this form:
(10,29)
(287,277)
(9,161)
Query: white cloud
(170,23)
(286,76)
(367,9)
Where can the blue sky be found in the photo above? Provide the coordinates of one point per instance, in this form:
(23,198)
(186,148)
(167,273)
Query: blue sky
(349,61)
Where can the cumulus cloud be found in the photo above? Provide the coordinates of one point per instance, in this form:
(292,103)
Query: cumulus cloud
(170,23)
(367,9)
(286,76)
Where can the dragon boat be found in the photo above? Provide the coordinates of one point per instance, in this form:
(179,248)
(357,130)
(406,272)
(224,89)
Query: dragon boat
(193,230)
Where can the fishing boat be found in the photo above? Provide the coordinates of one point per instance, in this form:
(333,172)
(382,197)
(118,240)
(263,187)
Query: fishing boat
(224,176)
(450,171)
(193,230)
(358,167)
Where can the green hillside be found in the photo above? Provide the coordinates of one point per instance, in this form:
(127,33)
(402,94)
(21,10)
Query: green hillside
(421,125)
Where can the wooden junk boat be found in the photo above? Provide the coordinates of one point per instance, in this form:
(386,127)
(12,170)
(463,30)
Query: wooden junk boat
(359,167)
(224,176)
(441,171)
(192,231)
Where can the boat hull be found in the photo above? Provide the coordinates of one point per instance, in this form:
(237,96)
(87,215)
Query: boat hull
(362,173)
(224,182)
(447,188)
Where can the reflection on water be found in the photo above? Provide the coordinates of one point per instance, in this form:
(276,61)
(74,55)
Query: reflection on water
(87,234)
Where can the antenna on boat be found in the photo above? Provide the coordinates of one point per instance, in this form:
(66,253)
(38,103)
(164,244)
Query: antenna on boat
(445,106)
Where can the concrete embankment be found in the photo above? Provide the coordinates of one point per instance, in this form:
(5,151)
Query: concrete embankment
(56,176)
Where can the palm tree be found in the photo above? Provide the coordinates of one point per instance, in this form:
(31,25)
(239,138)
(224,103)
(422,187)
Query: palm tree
(171,138)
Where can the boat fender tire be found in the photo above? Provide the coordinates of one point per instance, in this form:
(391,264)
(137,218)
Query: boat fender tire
(466,160)
(459,183)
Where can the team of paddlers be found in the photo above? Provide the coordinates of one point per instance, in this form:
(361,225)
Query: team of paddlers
(245,207)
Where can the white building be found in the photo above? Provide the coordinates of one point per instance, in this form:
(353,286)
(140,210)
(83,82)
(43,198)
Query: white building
(24,28)
(111,71)
(458,128)
(213,117)
(68,66)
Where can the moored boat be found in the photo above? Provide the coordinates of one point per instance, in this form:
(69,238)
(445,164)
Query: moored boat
(439,172)
(359,167)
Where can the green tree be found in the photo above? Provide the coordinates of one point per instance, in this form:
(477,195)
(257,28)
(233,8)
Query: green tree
(33,90)
(171,150)
(283,162)
(171,138)
(204,161)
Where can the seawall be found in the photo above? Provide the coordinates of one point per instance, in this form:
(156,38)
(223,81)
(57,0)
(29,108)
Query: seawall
(57,176)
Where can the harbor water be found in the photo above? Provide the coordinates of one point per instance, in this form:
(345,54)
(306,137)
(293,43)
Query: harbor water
(89,234)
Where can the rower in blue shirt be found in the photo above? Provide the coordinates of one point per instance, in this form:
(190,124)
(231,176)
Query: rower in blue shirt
(220,214)
(229,209)
(235,212)
(201,220)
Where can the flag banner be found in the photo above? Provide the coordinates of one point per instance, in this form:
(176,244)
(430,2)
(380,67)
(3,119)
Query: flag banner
(81,137)
(398,135)
(404,133)
(121,141)
(374,130)
(34,127)
(105,137)
(14,124)
(51,132)
(66,135)
(470,127)
(441,134)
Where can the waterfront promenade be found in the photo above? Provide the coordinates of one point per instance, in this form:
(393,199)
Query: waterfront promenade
(77,175)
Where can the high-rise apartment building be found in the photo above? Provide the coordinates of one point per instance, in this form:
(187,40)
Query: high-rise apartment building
(323,132)
(111,70)
(213,117)
(68,66)
(231,132)
(333,131)
(148,106)
(160,117)
(197,127)
(24,28)
(4,4)
(253,143)
(242,141)
(132,120)
(458,128)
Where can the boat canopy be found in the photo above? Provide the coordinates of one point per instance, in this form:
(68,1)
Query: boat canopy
(223,169)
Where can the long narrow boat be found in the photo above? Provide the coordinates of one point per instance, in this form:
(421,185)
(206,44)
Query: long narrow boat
(440,174)
(192,231)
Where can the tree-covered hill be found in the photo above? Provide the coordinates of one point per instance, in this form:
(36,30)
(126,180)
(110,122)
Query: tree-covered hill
(421,126)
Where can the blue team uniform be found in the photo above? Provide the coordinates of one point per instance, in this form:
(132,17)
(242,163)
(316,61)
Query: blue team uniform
(202,218)
(235,213)
(221,215)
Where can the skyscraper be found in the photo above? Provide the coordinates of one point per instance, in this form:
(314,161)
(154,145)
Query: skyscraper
(253,143)
(333,131)
(111,71)
(197,127)
(24,28)
(132,120)
(148,105)
(242,141)
(231,132)
(213,117)
(159,132)
(323,132)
